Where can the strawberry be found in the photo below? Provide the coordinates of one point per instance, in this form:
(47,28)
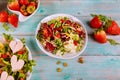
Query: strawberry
(3,16)
(96,22)
(50,47)
(23,2)
(4,55)
(112,27)
(45,33)
(62,20)
(52,26)
(32,3)
(13,19)
(23,10)
(75,43)
(100,36)
(30,9)
(58,35)
(14,5)
(20,52)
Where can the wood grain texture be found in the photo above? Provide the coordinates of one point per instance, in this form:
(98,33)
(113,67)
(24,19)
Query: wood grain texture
(101,61)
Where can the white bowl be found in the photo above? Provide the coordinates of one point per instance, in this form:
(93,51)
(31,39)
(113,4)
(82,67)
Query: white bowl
(65,56)
(29,56)
(23,18)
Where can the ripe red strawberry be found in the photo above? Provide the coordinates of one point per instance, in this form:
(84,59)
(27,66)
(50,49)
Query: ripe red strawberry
(14,5)
(100,36)
(23,10)
(23,2)
(13,19)
(3,16)
(96,22)
(112,28)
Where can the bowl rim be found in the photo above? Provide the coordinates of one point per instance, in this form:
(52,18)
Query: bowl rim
(21,17)
(55,16)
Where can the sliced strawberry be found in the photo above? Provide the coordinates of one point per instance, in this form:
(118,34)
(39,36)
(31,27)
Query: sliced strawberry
(45,33)
(112,28)
(50,47)
(62,20)
(100,36)
(96,22)
(52,26)
(68,22)
(13,19)
(20,52)
(23,2)
(78,30)
(23,10)
(14,5)
(75,43)
(3,16)
(32,3)
(4,55)
(30,9)
(58,35)
(50,32)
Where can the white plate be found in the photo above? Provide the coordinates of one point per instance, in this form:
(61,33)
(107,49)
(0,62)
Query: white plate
(29,56)
(66,56)
(23,18)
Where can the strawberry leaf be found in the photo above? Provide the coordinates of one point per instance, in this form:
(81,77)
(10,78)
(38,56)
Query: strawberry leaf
(113,42)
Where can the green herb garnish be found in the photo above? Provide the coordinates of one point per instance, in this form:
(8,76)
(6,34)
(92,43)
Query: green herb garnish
(113,42)
(5,26)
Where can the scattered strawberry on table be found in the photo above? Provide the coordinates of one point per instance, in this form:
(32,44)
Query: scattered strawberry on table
(100,36)
(5,17)
(26,7)
(104,25)
(13,19)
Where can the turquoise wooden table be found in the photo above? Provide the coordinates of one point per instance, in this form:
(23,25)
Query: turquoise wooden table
(101,61)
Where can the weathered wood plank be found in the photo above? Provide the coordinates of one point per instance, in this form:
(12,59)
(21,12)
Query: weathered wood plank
(93,68)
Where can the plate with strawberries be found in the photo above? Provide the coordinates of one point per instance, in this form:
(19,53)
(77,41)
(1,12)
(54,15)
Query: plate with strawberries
(15,59)
(61,36)
(24,8)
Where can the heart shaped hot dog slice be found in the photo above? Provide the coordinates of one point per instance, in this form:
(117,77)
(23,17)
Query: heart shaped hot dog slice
(4,76)
(16,64)
(16,46)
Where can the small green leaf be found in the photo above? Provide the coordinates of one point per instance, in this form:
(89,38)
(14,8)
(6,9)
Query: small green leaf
(6,27)
(23,40)
(113,42)
(8,37)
